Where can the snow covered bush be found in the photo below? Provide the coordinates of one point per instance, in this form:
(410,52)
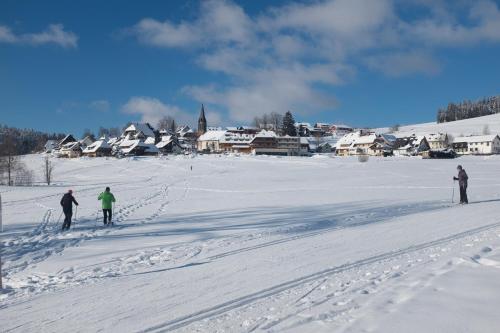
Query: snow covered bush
(363,158)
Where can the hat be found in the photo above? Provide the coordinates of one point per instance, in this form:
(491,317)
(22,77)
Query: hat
(459,167)
(70,191)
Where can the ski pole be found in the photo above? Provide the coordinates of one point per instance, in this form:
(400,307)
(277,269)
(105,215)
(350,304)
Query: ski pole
(453,192)
(76,217)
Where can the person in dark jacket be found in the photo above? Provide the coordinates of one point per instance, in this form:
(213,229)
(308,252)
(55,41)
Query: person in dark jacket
(462,184)
(67,205)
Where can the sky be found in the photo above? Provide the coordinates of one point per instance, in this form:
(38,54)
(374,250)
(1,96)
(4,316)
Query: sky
(66,66)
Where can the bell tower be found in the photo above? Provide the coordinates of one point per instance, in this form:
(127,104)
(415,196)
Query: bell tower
(202,122)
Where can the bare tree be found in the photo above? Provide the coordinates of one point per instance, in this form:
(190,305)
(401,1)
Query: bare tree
(9,160)
(167,123)
(48,168)
(486,130)
(394,128)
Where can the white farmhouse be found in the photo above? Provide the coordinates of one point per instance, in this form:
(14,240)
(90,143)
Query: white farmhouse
(210,141)
(438,141)
(477,145)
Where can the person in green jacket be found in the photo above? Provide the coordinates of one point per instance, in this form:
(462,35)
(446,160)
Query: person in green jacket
(107,198)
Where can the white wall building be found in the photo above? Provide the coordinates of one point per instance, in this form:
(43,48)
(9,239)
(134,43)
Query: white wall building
(477,145)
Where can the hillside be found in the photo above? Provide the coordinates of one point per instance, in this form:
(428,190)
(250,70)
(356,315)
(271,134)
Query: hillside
(255,244)
(456,128)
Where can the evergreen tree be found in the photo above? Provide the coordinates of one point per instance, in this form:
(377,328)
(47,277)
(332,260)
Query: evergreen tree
(289,124)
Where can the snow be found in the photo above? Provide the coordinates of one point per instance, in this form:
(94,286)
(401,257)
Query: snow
(215,135)
(140,127)
(476,138)
(255,243)
(473,126)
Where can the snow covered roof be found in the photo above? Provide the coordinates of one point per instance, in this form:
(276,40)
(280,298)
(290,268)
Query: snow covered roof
(66,139)
(433,137)
(140,127)
(71,145)
(476,138)
(266,134)
(388,137)
(365,139)
(150,140)
(341,126)
(99,144)
(347,140)
(212,136)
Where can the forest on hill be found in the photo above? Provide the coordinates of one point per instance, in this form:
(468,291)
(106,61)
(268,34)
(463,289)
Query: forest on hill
(468,109)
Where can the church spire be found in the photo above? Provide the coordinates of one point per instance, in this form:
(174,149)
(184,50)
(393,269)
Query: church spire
(202,121)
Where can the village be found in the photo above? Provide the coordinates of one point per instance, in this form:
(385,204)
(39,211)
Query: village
(141,139)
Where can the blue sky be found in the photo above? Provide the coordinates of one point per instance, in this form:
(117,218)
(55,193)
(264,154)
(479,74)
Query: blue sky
(66,66)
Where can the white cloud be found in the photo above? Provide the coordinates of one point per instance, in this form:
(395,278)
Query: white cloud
(404,63)
(100,105)
(150,109)
(6,35)
(54,34)
(285,56)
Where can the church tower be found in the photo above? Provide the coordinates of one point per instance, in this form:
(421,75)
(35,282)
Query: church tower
(202,122)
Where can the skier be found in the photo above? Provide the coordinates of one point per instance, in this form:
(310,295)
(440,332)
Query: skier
(67,205)
(107,198)
(462,184)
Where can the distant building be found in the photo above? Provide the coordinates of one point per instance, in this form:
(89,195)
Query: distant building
(268,143)
(98,148)
(411,145)
(340,130)
(70,150)
(50,145)
(169,144)
(438,141)
(209,142)
(202,121)
(477,145)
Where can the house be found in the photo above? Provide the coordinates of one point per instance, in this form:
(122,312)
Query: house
(186,138)
(410,145)
(139,131)
(137,147)
(209,142)
(340,130)
(236,141)
(344,144)
(264,140)
(477,145)
(67,139)
(438,141)
(268,143)
(364,144)
(50,145)
(169,145)
(98,148)
(85,142)
(70,150)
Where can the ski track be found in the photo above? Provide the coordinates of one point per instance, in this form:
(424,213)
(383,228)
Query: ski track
(45,240)
(218,310)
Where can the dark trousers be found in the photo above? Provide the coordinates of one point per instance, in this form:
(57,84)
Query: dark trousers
(107,215)
(463,194)
(68,214)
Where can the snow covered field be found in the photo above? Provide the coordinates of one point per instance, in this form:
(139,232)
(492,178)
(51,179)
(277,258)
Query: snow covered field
(249,244)
(466,127)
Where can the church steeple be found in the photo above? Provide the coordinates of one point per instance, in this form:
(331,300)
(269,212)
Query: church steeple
(202,121)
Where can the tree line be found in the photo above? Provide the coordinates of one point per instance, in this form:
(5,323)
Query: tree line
(25,141)
(468,109)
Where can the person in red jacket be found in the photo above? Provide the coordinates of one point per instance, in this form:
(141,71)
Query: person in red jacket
(462,184)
